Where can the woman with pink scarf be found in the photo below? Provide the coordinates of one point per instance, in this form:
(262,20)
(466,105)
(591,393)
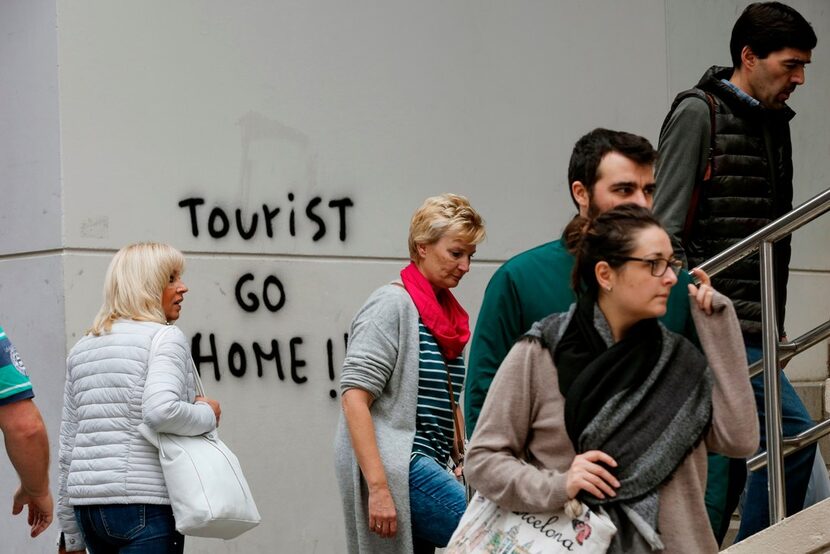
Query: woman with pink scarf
(400,428)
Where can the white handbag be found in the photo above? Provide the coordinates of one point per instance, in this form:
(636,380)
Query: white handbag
(208,492)
(485,528)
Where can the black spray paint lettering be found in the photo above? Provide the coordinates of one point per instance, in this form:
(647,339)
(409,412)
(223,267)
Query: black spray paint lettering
(330,359)
(218,222)
(238,357)
(271,289)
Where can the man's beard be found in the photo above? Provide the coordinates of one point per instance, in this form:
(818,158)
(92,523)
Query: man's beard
(593,211)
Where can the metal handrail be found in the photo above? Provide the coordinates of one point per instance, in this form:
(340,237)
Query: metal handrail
(774,353)
(790,349)
(779,228)
(792,444)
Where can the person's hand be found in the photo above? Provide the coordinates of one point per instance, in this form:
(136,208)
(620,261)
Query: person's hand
(704,293)
(217,411)
(383,519)
(40,509)
(588,475)
(458,471)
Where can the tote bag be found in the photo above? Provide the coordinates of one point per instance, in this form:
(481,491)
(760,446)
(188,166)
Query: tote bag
(485,528)
(208,492)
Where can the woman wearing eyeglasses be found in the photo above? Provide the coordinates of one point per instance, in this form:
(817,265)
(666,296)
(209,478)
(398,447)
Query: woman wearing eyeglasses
(604,404)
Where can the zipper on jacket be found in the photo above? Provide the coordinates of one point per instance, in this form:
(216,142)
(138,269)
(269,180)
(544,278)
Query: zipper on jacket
(773,166)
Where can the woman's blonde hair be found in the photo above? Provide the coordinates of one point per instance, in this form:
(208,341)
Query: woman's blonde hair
(134,283)
(440,215)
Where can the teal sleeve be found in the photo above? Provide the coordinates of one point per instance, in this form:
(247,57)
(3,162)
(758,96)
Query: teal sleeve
(499,324)
(14,381)
(678,316)
(717,485)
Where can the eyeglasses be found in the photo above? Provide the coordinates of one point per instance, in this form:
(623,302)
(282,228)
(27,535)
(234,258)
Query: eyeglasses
(658,265)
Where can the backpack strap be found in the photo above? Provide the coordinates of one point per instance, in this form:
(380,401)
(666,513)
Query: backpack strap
(457,417)
(709,170)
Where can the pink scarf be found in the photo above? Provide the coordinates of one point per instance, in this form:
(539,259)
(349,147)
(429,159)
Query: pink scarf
(441,313)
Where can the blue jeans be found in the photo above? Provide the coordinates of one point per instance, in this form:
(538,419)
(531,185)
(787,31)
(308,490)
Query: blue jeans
(129,529)
(436,503)
(797,466)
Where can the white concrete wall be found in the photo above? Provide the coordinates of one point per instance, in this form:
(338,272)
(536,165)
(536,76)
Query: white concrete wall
(383,104)
(31,264)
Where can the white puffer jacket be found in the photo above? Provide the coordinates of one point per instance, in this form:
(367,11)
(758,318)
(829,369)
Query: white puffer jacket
(103,457)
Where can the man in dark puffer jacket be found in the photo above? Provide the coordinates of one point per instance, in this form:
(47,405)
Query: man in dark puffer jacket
(724,171)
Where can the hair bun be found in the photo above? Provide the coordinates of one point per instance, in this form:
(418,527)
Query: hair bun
(575,232)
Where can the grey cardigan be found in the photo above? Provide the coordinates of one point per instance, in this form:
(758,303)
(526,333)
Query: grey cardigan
(382,358)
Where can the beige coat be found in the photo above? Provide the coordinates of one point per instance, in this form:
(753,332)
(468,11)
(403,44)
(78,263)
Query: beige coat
(523,421)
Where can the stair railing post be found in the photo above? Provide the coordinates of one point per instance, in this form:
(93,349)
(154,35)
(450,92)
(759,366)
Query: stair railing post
(772,392)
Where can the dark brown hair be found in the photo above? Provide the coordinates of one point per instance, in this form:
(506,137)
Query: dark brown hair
(767,27)
(608,237)
(591,148)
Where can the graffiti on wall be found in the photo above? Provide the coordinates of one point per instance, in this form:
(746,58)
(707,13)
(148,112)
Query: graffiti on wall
(286,358)
(217,220)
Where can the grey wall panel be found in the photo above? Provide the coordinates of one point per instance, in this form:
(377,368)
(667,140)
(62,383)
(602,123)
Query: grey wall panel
(30,214)
(382,103)
(32,314)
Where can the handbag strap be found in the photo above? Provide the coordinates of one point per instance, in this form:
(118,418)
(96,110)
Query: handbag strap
(200,389)
(459,432)
(155,342)
(154,346)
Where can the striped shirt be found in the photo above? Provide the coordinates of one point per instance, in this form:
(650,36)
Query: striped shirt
(434,430)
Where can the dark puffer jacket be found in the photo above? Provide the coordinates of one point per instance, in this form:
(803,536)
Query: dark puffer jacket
(751,186)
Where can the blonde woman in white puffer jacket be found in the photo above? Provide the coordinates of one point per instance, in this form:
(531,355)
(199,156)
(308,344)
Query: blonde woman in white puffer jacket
(112,495)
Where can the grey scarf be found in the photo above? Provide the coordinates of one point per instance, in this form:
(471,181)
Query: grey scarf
(648,429)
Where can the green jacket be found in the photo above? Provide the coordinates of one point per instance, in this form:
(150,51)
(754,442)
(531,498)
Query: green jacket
(525,289)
